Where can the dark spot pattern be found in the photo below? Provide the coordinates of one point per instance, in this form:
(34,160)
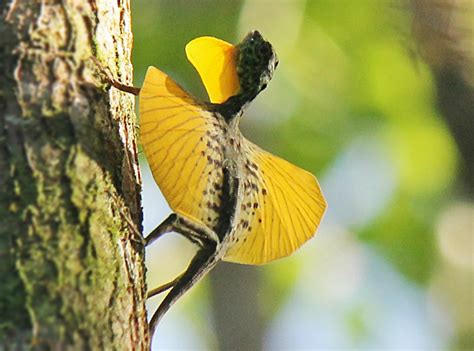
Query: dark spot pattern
(250,217)
(212,194)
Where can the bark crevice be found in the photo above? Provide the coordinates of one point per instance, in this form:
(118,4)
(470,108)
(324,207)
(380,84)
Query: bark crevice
(70,213)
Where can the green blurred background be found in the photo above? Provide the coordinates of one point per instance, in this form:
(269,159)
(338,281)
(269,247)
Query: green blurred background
(375,98)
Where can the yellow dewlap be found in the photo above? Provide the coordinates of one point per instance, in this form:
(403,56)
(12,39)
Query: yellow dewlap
(214,59)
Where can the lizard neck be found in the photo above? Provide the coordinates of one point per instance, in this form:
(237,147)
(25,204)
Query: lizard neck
(234,107)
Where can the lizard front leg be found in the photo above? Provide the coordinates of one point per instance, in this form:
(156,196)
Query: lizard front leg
(203,261)
(194,231)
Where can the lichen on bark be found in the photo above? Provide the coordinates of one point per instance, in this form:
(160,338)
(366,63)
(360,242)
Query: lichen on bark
(70,215)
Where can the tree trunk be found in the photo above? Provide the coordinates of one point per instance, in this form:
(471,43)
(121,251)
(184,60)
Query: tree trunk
(72,261)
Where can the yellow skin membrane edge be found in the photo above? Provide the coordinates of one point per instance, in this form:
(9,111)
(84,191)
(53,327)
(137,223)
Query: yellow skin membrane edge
(215,61)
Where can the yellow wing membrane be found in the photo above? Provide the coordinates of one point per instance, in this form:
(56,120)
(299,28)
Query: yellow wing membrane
(176,134)
(283,208)
(215,61)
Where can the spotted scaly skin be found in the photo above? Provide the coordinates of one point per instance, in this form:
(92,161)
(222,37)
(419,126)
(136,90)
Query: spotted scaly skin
(230,204)
(256,62)
(230,179)
(226,194)
(234,200)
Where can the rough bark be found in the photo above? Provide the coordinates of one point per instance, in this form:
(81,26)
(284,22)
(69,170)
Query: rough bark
(72,263)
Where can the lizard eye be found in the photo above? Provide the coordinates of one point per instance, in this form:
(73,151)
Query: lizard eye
(264,49)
